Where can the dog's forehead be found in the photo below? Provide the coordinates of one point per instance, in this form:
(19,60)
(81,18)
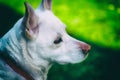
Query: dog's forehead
(49,19)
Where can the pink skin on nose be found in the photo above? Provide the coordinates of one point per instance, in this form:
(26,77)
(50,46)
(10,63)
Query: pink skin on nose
(84,46)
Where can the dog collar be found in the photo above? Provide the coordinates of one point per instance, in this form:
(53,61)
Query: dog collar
(15,67)
(19,70)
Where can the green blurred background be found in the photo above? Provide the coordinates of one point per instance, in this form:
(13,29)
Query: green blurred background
(96,22)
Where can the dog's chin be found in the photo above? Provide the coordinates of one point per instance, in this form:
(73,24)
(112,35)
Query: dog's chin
(63,63)
(72,60)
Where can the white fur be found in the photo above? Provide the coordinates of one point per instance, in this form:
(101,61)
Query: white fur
(41,52)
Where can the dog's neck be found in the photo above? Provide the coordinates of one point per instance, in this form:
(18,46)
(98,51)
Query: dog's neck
(28,66)
(40,75)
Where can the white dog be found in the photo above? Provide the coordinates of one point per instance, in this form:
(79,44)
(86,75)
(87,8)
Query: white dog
(36,41)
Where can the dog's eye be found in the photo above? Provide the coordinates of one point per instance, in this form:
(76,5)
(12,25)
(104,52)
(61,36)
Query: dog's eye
(58,40)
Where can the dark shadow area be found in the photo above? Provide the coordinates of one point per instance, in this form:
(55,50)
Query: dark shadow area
(108,64)
(8,17)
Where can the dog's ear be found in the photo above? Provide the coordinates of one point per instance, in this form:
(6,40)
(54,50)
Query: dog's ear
(30,22)
(46,5)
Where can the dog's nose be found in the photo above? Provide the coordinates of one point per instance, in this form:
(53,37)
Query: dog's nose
(85,47)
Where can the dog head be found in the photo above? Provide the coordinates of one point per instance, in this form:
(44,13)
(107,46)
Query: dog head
(49,38)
